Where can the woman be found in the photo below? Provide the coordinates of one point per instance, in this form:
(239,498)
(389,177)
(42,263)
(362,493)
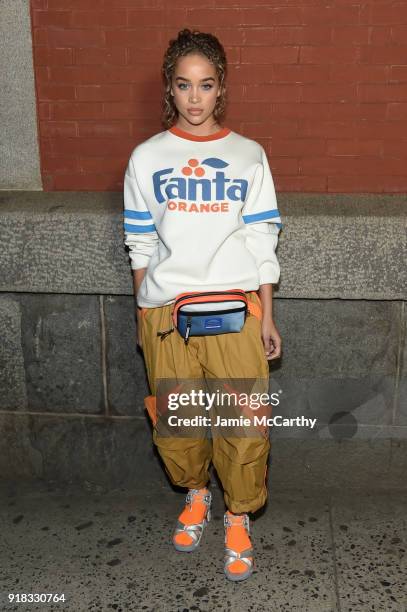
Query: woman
(200,215)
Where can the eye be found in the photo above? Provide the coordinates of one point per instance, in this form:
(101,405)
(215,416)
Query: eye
(207,86)
(181,85)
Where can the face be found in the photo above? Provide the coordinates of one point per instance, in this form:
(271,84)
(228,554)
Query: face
(195,87)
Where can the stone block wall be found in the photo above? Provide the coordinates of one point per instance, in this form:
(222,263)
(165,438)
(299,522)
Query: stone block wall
(72,379)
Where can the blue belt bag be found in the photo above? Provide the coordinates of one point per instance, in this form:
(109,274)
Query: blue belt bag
(208,313)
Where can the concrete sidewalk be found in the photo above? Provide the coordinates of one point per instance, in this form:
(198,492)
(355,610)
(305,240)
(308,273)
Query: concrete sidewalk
(112,551)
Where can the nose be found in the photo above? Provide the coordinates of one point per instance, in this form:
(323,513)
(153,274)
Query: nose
(194,97)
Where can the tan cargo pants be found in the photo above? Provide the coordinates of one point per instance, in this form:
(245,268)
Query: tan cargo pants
(240,462)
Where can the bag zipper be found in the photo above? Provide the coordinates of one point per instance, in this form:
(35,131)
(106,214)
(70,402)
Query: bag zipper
(230,298)
(188,295)
(213,312)
(189,324)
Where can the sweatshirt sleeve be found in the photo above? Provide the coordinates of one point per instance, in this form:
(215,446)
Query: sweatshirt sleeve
(263,223)
(140,233)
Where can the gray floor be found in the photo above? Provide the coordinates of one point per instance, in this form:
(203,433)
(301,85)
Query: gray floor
(112,551)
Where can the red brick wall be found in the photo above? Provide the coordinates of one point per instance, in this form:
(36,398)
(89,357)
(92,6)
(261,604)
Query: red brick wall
(321,85)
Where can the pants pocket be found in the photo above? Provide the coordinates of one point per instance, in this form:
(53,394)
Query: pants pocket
(143,312)
(255,307)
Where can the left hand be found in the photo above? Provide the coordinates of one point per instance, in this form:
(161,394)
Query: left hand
(271,338)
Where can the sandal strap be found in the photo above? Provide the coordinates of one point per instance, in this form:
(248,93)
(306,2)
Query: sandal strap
(246,522)
(232,555)
(206,499)
(245,554)
(194,530)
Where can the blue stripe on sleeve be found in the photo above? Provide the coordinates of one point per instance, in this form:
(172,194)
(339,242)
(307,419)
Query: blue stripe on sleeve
(266,214)
(135,214)
(139,229)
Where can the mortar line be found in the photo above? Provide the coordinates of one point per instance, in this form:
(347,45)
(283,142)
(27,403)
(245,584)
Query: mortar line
(335,566)
(399,361)
(103,354)
(64,415)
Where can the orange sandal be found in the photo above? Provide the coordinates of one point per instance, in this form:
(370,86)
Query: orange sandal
(239,562)
(192,520)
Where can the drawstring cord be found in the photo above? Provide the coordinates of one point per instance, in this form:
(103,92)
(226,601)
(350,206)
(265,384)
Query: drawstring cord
(164,334)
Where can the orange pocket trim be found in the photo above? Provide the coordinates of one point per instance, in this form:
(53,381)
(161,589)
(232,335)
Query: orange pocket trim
(255,309)
(150,403)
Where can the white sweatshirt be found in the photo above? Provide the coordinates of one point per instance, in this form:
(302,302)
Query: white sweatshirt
(200,213)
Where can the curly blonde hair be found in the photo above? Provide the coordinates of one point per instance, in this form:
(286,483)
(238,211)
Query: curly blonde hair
(187,42)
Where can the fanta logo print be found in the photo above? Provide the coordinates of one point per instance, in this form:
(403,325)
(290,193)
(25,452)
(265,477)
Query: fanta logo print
(203,180)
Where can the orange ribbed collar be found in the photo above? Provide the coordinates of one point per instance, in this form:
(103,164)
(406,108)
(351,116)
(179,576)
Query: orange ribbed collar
(188,136)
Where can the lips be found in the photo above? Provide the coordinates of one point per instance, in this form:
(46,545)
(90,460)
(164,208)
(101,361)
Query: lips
(195,111)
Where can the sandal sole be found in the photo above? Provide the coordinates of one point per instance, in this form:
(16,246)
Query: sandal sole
(238,577)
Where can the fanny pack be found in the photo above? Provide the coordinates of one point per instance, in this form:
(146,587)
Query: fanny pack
(208,313)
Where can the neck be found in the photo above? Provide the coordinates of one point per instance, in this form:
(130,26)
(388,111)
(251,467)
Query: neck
(205,129)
